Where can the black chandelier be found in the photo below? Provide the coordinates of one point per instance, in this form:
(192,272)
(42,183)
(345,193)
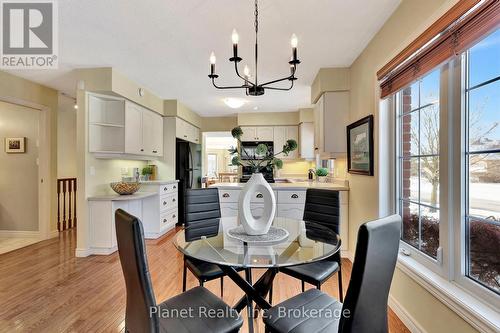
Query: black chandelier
(254,88)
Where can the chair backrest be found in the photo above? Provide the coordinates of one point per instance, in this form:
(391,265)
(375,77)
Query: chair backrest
(202,215)
(372,271)
(140,295)
(323,207)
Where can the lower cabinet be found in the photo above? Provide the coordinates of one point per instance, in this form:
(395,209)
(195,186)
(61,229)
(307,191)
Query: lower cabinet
(289,204)
(156,207)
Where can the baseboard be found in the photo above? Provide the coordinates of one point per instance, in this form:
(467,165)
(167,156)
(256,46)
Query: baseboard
(104,251)
(347,254)
(405,317)
(53,234)
(80,253)
(19,234)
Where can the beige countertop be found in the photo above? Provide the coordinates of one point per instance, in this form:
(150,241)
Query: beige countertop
(117,197)
(158,182)
(292,186)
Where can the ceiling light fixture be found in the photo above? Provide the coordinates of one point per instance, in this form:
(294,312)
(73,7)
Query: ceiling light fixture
(254,88)
(234,103)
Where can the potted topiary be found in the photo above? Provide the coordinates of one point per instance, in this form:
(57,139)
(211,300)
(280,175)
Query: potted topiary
(263,159)
(321,174)
(147,172)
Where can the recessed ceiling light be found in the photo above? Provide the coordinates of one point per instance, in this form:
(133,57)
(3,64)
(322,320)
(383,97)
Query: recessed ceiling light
(234,103)
(255,107)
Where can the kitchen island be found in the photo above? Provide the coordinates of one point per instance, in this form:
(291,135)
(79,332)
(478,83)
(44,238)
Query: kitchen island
(290,201)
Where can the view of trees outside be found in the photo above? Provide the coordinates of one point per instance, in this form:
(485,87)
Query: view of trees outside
(484,162)
(419,162)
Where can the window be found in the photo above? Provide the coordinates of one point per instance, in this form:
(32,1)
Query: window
(482,162)
(448,149)
(212,165)
(418,119)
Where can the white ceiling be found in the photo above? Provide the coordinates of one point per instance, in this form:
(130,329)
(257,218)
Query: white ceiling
(164,45)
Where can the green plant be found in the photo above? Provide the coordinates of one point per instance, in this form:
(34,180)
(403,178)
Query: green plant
(147,171)
(268,160)
(321,172)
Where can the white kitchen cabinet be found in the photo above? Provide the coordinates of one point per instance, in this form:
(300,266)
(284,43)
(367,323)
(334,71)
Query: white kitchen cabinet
(133,129)
(249,133)
(281,135)
(186,131)
(331,116)
(306,141)
(265,134)
(143,131)
(257,133)
(152,133)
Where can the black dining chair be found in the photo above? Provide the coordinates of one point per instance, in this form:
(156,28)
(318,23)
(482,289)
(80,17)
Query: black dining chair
(142,313)
(202,219)
(365,306)
(323,208)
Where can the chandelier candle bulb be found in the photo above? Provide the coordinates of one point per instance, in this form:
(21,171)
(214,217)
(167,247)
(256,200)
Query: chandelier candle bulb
(294,42)
(235,38)
(212,63)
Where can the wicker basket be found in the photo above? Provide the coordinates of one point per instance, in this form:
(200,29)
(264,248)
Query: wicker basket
(125,188)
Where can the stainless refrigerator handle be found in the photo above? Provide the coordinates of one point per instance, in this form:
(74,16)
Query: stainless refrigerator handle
(190,179)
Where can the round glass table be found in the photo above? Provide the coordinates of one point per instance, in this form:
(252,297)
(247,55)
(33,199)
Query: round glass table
(306,242)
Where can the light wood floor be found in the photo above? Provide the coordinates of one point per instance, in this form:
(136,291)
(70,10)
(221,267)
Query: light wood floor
(44,288)
(8,244)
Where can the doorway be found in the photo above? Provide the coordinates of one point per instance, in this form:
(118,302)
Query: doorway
(217,158)
(21,131)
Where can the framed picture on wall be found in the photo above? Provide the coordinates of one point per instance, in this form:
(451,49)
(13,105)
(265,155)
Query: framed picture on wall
(15,145)
(360,147)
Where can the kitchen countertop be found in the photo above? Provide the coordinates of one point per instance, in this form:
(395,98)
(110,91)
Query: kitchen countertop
(293,186)
(118,197)
(158,182)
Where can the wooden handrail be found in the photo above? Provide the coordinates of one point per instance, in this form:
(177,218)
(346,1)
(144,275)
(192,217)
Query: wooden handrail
(67,203)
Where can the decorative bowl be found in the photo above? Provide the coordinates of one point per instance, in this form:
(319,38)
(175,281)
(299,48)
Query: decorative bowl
(125,188)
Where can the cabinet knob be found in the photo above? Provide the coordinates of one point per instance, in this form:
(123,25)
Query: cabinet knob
(142,149)
(294,196)
(225,195)
(173,216)
(165,188)
(175,187)
(164,220)
(173,199)
(185,136)
(259,196)
(164,203)
(155,151)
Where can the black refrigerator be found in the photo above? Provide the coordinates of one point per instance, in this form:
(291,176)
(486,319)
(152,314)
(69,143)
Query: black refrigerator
(187,171)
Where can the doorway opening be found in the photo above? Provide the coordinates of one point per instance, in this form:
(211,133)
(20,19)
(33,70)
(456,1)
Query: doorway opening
(217,158)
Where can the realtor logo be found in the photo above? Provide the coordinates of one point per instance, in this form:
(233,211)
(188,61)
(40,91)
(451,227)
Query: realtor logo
(29,34)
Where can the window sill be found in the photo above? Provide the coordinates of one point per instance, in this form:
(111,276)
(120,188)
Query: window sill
(477,313)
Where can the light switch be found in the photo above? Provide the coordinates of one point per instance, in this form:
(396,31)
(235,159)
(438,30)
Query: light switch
(92,171)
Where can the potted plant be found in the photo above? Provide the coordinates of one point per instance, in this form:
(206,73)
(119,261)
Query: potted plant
(147,172)
(263,159)
(321,174)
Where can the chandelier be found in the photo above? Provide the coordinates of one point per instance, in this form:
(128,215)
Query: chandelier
(253,87)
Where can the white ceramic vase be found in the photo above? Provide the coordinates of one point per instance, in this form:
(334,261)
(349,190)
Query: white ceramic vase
(256,185)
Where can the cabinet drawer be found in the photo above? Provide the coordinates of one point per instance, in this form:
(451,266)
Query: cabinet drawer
(228,209)
(168,202)
(291,197)
(229,195)
(168,188)
(292,211)
(168,219)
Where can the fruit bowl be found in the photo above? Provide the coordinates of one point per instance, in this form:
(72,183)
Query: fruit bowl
(125,188)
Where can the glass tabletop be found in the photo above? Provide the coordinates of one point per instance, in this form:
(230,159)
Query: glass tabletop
(306,242)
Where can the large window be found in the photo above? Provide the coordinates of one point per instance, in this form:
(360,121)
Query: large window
(448,168)
(482,162)
(418,119)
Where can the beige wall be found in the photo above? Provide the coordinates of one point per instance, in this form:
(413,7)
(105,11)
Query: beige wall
(19,172)
(174,108)
(408,21)
(20,89)
(329,79)
(66,138)
(218,124)
(268,118)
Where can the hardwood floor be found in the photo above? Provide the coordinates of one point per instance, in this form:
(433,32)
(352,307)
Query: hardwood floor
(44,288)
(8,244)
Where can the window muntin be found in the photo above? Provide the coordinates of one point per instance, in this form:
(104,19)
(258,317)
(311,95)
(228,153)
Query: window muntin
(212,165)
(419,121)
(482,162)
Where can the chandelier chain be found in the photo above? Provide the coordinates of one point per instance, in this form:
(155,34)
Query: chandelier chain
(256,17)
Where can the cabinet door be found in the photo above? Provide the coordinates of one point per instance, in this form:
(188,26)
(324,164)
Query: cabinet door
(181,129)
(279,140)
(319,143)
(148,127)
(249,133)
(133,129)
(306,144)
(158,135)
(292,132)
(265,133)
(196,132)
(335,119)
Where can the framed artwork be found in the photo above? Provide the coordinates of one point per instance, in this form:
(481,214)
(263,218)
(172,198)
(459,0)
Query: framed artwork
(360,147)
(15,145)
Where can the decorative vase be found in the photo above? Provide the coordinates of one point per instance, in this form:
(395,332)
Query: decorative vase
(256,226)
(321,179)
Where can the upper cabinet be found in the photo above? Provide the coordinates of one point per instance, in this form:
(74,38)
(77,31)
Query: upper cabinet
(331,116)
(118,126)
(306,142)
(281,135)
(186,131)
(258,133)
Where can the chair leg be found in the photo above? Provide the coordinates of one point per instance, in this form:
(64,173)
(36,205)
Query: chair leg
(341,293)
(201,283)
(221,287)
(184,273)
(318,286)
(303,286)
(271,294)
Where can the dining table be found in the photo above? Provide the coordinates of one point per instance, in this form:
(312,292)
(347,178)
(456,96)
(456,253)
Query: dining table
(290,242)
